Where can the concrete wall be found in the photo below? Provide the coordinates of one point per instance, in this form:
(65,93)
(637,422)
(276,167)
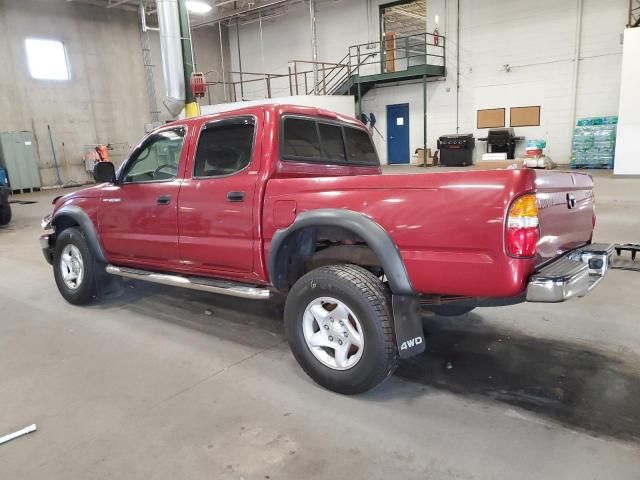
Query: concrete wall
(104,102)
(535,38)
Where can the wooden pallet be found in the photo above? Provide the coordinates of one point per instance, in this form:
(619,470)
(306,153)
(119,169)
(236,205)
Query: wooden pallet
(24,190)
(592,166)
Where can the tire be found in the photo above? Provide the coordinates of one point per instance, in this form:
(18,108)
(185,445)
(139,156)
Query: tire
(450,310)
(78,257)
(332,291)
(5,214)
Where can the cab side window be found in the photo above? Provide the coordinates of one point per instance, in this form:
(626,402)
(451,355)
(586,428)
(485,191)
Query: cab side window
(225,147)
(158,158)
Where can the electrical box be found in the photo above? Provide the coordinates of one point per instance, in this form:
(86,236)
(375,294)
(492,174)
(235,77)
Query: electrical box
(18,156)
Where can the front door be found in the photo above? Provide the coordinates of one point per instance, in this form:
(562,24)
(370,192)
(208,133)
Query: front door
(398,134)
(138,216)
(217,203)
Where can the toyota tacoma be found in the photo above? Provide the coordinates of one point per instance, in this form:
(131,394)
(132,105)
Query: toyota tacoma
(289,200)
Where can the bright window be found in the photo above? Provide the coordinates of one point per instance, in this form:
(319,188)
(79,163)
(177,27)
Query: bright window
(47,59)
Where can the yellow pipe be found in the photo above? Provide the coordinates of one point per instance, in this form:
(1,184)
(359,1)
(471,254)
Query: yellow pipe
(191,110)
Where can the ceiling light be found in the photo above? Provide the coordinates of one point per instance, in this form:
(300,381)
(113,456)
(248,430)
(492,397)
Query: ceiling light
(197,7)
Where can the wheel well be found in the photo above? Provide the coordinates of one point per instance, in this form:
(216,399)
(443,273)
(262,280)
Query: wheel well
(63,222)
(313,247)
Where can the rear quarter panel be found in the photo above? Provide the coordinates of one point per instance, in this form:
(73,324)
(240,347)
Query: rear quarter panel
(449,226)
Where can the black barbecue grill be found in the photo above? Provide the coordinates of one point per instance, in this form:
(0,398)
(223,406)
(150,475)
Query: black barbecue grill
(501,140)
(456,150)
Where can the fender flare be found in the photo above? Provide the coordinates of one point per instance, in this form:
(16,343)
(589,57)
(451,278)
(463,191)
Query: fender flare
(86,225)
(371,232)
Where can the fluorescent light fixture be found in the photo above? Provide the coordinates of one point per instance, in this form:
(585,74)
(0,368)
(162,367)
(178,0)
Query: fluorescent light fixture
(47,59)
(198,7)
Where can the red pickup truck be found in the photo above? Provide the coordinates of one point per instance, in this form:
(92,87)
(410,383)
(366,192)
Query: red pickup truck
(281,199)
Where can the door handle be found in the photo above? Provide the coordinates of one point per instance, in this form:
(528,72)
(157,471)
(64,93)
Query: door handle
(235,196)
(164,200)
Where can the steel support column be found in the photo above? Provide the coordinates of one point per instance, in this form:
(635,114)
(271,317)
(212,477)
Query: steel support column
(314,44)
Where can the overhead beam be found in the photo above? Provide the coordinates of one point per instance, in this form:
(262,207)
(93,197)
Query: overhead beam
(116,4)
(238,13)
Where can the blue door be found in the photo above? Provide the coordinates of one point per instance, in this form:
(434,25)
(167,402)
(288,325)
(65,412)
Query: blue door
(398,133)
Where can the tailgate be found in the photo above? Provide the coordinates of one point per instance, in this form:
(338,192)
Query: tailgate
(565,211)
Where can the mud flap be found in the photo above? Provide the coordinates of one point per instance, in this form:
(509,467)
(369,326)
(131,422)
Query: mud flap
(407,322)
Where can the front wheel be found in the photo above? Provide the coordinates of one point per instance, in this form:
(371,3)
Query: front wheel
(5,214)
(74,267)
(338,324)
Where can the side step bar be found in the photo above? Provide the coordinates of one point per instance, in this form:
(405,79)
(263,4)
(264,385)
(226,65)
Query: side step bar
(194,283)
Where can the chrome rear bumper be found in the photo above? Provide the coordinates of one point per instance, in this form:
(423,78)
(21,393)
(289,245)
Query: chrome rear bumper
(573,275)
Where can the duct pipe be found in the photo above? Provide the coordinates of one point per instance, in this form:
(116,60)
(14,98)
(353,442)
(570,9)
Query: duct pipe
(171,51)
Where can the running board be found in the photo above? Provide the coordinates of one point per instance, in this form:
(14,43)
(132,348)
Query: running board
(193,283)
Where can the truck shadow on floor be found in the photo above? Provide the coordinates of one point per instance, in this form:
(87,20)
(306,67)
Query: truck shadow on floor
(569,383)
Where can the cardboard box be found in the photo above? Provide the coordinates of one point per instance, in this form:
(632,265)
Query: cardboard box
(498,164)
(420,160)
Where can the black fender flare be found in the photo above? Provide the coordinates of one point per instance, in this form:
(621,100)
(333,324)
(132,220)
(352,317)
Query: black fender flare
(80,217)
(371,232)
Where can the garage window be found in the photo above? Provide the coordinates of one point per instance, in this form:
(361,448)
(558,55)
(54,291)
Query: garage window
(225,147)
(47,59)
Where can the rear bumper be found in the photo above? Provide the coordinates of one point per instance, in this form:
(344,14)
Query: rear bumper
(573,275)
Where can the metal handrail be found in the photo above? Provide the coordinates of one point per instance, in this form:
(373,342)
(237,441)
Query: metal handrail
(409,50)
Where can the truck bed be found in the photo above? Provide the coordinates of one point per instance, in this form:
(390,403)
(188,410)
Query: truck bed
(450,226)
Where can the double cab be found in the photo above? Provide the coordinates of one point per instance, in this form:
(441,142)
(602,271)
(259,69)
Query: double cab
(291,201)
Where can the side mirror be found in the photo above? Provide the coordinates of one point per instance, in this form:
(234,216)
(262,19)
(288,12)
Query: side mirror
(104,172)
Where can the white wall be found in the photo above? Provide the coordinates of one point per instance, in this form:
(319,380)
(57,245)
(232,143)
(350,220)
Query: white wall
(335,103)
(535,38)
(627,159)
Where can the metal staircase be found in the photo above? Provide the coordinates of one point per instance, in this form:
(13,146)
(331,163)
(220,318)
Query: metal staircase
(393,59)
(634,14)
(389,60)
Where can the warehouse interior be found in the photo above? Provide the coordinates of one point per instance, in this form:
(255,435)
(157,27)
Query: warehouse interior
(154,381)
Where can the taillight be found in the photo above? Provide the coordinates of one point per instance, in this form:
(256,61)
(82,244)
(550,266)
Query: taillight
(522,227)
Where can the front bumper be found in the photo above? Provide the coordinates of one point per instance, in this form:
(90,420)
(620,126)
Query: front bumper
(573,275)
(46,245)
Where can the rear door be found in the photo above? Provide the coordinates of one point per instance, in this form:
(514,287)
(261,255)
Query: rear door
(565,210)
(217,205)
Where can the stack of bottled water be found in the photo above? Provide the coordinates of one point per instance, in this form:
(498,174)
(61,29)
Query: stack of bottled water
(594,142)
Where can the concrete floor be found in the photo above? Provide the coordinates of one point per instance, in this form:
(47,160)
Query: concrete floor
(163,383)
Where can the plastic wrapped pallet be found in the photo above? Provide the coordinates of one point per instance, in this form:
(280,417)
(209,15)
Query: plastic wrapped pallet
(594,142)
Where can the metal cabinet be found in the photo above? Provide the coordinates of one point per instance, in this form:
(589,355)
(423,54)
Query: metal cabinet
(18,157)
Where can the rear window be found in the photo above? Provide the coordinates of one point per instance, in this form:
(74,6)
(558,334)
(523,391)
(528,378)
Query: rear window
(311,140)
(332,141)
(360,147)
(301,139)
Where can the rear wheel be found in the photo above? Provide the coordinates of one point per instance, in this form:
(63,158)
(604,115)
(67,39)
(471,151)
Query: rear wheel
(338,323)
(74,267)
